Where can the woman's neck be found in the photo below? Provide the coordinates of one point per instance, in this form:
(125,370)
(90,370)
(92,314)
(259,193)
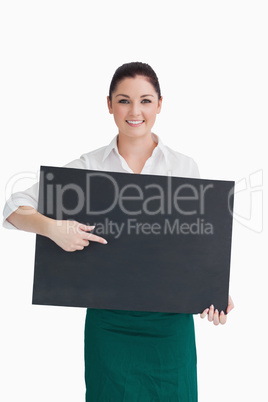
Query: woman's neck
(139,148)
(136,151)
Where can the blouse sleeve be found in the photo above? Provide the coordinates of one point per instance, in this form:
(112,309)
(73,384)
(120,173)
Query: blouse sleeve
(194,170)
(29,197)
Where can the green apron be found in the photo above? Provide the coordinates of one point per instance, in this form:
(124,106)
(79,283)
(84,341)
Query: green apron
(137,356)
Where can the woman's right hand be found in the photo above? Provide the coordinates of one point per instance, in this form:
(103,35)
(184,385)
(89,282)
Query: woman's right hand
(69,235)
(72,235)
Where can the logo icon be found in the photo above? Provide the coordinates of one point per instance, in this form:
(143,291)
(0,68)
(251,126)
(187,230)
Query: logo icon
(248,205)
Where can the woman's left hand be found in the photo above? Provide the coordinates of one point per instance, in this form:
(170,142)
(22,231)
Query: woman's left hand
(215,316)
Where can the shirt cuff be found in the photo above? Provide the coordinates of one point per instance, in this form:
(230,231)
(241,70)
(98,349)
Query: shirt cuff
(12,205)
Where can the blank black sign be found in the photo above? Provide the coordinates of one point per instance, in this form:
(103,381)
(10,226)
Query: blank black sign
(169,242)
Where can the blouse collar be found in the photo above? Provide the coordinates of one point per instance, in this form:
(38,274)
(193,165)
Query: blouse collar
(159,148)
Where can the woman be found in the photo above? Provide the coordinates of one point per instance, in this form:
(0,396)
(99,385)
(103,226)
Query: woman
(130,356)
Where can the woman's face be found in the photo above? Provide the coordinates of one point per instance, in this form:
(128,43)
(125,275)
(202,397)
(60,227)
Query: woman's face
(134,105)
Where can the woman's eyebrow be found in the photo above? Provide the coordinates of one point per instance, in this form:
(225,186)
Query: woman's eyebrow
(143,96)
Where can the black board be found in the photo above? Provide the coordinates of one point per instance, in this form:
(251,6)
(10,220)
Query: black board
(172,254)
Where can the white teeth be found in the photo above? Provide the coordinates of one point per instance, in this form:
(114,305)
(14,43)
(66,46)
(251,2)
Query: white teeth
(134,122)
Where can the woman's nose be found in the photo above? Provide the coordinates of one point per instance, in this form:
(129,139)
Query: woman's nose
(135,109)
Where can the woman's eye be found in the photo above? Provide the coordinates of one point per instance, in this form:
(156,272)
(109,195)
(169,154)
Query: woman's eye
(126,101)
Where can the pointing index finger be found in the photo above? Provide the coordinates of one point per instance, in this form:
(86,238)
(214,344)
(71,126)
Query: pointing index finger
(99,239)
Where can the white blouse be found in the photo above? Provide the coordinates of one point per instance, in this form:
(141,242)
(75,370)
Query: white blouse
(163,161)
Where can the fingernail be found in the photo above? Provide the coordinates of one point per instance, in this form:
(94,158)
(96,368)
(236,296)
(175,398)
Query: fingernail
(211,306)
(91,227)
(105,241)
(222,312)
(216,311)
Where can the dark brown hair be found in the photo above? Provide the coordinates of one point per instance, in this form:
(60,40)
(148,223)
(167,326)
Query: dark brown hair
(131,70)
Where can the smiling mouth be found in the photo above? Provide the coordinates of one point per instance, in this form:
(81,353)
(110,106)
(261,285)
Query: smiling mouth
(135,123)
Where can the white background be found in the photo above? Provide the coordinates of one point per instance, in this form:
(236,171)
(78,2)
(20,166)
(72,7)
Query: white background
(57,60)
